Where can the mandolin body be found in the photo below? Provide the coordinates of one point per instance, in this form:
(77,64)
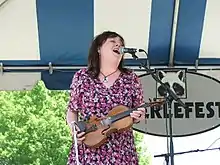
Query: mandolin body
(97,130)
(99,136)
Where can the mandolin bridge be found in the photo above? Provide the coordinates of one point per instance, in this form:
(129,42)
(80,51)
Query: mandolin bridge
(106,121)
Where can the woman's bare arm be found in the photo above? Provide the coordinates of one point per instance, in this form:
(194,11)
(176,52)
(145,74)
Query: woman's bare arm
(70,117)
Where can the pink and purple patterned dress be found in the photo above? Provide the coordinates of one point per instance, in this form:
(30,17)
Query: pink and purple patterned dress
(91,97)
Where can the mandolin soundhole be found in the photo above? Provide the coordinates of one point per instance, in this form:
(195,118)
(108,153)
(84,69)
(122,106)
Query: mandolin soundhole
(103,131)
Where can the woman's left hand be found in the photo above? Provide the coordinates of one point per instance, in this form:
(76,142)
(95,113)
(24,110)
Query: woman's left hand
(138,115)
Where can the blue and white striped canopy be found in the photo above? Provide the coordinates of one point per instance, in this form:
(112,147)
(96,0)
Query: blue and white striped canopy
(36,34)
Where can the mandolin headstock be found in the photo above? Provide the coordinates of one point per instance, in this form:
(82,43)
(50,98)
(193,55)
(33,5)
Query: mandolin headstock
(156,103)
(160,101)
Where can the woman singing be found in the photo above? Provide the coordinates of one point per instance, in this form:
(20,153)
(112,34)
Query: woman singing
(95,90)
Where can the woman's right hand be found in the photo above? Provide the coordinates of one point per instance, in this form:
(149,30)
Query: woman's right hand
(80,136)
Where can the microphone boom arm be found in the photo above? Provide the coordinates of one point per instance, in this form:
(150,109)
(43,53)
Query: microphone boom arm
(169,91)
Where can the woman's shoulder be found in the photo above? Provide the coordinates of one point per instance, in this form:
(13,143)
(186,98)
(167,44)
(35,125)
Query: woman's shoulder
(131,73)
(81,72)
(80,75)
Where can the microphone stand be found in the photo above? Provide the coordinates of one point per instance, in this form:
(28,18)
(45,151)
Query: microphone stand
(170,96)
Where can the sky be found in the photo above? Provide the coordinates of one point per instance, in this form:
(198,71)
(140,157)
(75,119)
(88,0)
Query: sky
(158,145)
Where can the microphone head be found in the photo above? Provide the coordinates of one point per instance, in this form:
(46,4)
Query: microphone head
(124,50)
(121,50)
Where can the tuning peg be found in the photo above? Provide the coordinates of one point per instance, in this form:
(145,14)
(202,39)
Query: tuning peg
(87,118)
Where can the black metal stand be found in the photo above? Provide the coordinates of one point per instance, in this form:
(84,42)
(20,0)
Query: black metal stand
(187,152)
(169,99)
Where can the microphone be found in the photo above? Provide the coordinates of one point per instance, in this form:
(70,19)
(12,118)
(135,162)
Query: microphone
(124,50)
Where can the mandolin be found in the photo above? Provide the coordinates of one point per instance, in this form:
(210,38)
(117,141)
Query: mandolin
(118,119)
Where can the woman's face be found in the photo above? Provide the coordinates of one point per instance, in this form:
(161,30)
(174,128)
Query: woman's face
(109,51)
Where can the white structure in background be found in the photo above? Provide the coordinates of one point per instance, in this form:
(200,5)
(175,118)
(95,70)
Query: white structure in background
(49,41)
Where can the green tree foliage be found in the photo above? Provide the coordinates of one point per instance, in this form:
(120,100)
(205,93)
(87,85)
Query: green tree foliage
(141,144)
(33,129)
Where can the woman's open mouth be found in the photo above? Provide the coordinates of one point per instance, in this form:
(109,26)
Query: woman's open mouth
(116,51)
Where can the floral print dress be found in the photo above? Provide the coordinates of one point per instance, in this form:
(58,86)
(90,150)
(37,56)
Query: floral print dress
(91,97)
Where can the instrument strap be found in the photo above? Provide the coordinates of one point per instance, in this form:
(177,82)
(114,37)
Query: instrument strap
(73,124)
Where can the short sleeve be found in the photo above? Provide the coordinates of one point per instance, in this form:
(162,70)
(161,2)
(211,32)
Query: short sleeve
(138,94)
(75,93)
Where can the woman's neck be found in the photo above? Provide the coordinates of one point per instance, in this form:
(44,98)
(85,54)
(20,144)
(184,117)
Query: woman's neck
(107,69)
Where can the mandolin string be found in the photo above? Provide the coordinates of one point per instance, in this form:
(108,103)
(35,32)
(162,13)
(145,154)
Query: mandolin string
(121,115)
(126,113)
(94,127)
(115,118)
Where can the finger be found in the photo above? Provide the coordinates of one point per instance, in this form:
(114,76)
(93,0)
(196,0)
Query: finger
(141,109)
(135,115)
(81,139)
(143,112)
(139,112)
(138,115)
(80,134)
(77,128)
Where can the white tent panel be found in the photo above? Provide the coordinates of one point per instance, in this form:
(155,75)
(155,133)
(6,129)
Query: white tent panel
(18,81)
(133,25)
(211,36)
(19,31)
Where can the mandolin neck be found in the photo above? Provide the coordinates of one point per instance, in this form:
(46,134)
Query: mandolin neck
(125,113)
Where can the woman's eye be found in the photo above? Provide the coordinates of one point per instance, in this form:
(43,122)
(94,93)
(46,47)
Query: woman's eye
(113,41)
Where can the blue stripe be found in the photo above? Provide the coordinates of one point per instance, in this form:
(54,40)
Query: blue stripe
(189,31)
(160,31)
(65,30)
(205,62)
(58,80)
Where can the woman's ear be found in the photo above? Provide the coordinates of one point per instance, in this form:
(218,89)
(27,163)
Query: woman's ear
(99,51)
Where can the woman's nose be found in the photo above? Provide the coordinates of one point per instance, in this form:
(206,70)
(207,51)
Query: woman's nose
(117,44)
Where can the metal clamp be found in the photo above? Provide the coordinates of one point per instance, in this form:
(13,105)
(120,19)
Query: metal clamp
(148,63)
(50,68)
(196,65)
(1,68)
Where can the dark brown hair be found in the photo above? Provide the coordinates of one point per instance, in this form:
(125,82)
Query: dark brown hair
(94,59)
